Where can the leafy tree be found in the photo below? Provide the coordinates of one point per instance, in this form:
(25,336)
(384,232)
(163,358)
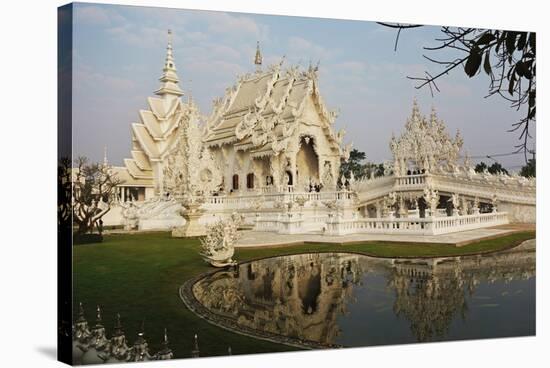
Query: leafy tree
(374,169)
(495,168)
(354,164)
(508,58)
(529,170)
(481,167)
(93,193)
(64,191)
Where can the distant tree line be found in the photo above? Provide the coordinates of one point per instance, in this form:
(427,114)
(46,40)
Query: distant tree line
(361,168)
(528,170)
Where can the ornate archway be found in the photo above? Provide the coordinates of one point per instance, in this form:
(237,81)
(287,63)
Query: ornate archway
(307,163)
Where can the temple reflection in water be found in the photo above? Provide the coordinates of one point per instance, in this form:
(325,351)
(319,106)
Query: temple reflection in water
(354,300)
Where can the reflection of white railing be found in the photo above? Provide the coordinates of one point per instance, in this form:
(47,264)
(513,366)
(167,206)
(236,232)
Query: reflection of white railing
(293,223)
(416,226)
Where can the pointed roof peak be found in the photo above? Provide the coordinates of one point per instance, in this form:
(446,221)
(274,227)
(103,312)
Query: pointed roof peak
(258,58)
(81,316)
(99,319)
(415,108)
(118,331)
(169,79)
(105,160)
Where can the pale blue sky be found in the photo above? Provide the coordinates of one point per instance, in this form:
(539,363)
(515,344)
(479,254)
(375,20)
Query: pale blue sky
(119,53)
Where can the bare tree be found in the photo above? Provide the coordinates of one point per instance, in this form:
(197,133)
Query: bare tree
(93,194)
(508,59)
(64,192)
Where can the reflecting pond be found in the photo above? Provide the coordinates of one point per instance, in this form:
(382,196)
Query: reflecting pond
(348,299)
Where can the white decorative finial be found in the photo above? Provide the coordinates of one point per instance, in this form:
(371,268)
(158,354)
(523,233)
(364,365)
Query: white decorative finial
(189,92)
(433,115)
(105,161)
(169,80)
(415,109)
(258,58)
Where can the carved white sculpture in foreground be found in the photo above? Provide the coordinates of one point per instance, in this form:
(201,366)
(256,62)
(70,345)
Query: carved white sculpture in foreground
(218,246)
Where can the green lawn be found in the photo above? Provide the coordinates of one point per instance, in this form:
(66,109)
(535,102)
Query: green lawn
(139,276)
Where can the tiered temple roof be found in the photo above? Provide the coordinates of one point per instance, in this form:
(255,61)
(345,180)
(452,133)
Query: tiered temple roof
(262,110)
(155,134)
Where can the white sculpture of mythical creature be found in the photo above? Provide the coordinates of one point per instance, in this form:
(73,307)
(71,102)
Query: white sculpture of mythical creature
(218,246)
(494,202)
(432,198)
(130,215)
(455,200)
(389,203)
(327,179)
(301,200)
(258,203)
(392,198)
(388,168)
(192,202)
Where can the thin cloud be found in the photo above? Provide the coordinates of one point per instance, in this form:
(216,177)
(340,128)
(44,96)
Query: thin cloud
(96,15)
(307,49)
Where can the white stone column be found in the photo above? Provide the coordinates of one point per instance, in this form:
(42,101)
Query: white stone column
(293,170)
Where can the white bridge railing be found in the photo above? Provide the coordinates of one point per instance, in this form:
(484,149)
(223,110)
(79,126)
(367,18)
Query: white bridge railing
(246,201)
(415,226)
(410,180)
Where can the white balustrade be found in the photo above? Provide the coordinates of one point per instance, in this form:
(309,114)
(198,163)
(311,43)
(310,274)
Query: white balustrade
(415,226)
(316,217)
(410,180)
(246,201)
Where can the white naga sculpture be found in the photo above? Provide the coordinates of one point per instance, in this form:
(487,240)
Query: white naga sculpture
(218,246)
(455,200)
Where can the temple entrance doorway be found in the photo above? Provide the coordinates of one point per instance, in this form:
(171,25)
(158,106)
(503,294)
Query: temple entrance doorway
(290,180)
(307,164)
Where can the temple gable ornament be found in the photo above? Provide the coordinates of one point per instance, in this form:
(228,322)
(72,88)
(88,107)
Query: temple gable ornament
(425,144)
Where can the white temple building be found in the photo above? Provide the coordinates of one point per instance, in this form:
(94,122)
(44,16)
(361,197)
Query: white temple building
(274,132)
(269,151)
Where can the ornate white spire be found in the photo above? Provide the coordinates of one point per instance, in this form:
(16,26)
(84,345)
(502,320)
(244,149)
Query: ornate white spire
(415,109)
(169,80)
(433,115)
(258,58)
(105,161)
